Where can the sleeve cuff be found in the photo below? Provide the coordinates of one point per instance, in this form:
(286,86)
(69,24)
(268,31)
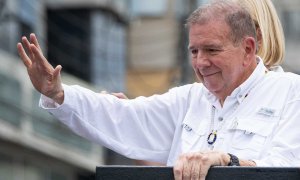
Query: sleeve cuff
(48,103)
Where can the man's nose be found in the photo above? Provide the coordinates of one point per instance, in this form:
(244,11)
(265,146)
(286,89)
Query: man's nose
(202,60)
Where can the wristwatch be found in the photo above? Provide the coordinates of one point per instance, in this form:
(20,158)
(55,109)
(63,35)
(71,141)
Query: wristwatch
(234,161)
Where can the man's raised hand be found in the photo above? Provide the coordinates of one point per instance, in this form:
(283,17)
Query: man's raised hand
(43,76)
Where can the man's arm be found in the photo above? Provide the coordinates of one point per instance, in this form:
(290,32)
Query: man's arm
(43,76)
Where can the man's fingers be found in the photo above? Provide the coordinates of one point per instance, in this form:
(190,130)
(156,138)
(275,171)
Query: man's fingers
(205,165)
(34,40)
(26,43)
(203,172)
(120,95)
(195,171)
(177,170)
(186,174)
(39,57)
(57,71)
(27,62)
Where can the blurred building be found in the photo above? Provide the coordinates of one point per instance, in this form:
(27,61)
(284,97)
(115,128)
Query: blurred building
(138,47)
(153,47)
(289,12)
(89,39)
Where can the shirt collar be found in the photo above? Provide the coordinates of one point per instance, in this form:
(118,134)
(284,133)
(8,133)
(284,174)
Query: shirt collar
(276,68)
(244,89)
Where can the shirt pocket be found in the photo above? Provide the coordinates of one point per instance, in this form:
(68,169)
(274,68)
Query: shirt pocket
(250,135)
(192,135)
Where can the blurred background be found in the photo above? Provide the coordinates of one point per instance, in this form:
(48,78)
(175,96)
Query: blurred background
(138,47)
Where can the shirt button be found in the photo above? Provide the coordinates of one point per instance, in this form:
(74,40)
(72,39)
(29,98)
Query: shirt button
(220,118)
(240,96)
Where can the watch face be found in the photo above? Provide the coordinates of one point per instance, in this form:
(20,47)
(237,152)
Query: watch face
(234,161)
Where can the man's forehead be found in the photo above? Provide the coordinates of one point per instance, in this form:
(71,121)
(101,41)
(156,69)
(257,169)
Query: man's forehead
(212,30)
(212,24)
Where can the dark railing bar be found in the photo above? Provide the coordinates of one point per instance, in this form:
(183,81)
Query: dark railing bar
(215,173)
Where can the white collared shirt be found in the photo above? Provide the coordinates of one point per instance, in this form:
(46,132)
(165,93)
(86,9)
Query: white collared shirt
(258,121)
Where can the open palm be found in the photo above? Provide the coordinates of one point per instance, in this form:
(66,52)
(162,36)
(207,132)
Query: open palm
(43,76)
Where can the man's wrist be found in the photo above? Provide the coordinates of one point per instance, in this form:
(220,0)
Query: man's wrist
(59,97)
(226,158)
(247,163)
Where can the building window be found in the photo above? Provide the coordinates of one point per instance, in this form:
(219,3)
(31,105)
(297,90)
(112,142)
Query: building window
(21,167)
(6,25)
(10,100)
(153,8)
(69,41)
(108,53)
(90,44)
(28,15)
(17,18)
(6,167)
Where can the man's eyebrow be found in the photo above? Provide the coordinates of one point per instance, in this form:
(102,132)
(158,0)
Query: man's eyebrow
(212,46)
(190,47)
(206,46)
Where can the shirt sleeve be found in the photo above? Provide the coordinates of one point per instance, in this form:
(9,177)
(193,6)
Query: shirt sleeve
(142,128)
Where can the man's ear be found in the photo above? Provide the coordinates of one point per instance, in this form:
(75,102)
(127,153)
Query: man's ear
(249,46)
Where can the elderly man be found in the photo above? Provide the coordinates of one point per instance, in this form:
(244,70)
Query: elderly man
(239,115)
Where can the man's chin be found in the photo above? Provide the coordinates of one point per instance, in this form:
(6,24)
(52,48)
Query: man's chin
(213,88)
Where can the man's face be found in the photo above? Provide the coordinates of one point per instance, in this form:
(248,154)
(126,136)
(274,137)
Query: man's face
(217,62)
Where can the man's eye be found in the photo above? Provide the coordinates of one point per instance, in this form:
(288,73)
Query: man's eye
(213,50)
(194,51)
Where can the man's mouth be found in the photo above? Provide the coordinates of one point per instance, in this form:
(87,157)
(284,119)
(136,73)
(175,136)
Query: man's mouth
(208,74)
